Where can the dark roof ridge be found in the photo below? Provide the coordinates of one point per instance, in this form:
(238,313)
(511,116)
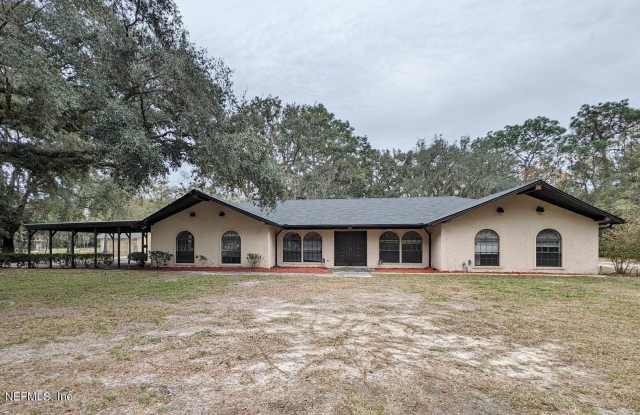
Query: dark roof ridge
(363,198)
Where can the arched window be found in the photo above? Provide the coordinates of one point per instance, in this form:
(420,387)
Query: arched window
(487,248)
(389,248)
(291,248)
(231,248)
(548,248)
(184,247)
(412,248)
(312,247)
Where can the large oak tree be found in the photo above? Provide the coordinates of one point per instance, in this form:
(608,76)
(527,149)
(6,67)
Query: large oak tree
(112,88)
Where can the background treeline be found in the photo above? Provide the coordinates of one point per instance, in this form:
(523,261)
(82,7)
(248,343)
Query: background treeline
(100,101)
(595,157)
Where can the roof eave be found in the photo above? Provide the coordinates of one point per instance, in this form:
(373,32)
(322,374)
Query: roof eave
(610,218)
(358,226)
(198,197)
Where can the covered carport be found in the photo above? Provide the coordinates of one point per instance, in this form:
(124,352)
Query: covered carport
(115,229)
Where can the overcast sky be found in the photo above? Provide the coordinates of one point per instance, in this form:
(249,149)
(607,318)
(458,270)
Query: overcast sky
(404,70)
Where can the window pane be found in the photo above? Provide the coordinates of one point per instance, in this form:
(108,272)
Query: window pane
(184,247)
(231,248)
(487,248)
(548,249)
(487,260)
(312,247)
(411,248)
(389,248)
(292,248)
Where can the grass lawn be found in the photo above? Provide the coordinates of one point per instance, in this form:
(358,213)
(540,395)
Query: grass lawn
(147,342)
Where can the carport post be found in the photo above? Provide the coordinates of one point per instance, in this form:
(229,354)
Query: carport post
(143,242)
(29,234)
(129,255)
(73,249)
(118,247)
(95,248)
(429,235)
(50,248)
(113,248)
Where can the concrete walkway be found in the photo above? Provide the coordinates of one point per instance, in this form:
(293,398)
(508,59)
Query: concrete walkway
(364,273)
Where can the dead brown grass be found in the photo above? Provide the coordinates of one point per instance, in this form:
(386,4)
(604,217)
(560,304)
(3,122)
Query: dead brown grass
(299,344)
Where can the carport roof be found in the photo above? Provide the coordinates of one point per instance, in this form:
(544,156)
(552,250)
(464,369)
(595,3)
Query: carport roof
(112,226)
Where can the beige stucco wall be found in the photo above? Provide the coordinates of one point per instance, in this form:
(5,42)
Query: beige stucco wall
(517,228)
(207,228)
(436,246)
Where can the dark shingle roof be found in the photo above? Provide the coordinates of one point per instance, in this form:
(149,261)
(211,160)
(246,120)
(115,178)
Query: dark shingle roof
(353,212)
(418,211)
(382,212)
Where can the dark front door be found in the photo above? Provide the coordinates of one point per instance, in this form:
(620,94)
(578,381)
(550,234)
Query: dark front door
(350,248)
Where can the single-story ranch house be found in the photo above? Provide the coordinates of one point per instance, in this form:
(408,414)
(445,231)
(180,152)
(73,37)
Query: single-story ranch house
(534,227)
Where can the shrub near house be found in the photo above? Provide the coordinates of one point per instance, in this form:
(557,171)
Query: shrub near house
(254,260)
(138,257)
(622,246)
(159,258)
(23,260)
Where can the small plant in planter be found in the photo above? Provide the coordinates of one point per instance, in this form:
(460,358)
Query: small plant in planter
(159,258)
(139,258)
(254,259)
(86,261)
(107,260)
(202,260)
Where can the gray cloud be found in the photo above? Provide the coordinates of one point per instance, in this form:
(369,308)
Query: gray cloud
(399,71)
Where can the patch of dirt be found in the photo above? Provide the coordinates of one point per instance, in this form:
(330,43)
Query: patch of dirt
(276,350)
(248,283)
(461,306)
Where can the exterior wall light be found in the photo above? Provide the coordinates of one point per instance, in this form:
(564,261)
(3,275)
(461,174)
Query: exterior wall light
(500,209)
(540,209)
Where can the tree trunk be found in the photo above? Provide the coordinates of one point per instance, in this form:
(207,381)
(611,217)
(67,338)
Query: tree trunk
(7,244)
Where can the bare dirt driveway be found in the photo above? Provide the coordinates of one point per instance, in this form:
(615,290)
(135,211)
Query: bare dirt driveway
(146,342)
